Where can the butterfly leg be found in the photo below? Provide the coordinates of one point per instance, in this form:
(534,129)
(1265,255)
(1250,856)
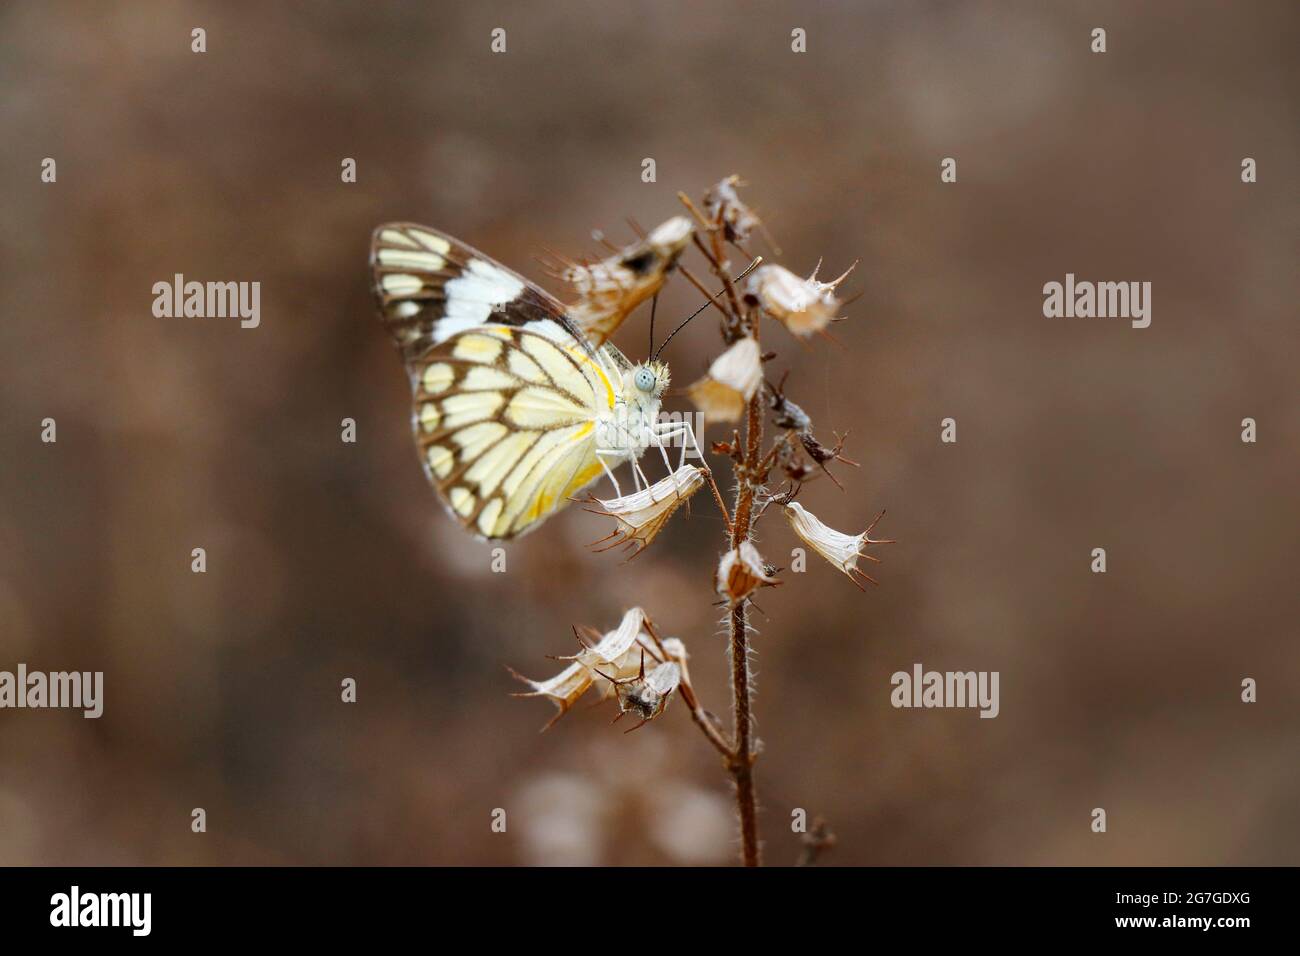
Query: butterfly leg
(657,439)
(662,433)
(692,443)
(600,457)
(687,435)
(684,431)
(643,481)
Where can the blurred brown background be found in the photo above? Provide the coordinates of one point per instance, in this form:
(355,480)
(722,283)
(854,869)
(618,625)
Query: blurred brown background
(329,560)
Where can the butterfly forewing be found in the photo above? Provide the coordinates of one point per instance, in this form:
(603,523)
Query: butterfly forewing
(431,286)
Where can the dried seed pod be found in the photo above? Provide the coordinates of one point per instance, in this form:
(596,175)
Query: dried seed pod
(821,454)
(613,645)
(722,203)
(674,648)
(642,514)
(563,689)
(732,380)
(610,289)
(786,414)
(627,667)
(741,572)
(840,549)
(614,659)
(646,695)
(804,306)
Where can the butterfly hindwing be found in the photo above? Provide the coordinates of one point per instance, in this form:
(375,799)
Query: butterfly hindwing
(505,420)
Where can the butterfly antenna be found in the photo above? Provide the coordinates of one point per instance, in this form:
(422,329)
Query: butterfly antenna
(710,302)
(654,304)
(682,326)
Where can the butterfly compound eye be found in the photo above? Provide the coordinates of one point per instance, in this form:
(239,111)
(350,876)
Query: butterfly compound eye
(645,379)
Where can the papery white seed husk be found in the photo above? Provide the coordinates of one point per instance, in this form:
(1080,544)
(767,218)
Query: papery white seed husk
(804,306)
(608,290)
(686,480)
(840,549)
(671,235)
(741,572)
(664,678)
(732,380)
(615,643)
(569,684)
(627,666)
(674,648)
(740,367)
(564,689)
(642,514)
(619,656)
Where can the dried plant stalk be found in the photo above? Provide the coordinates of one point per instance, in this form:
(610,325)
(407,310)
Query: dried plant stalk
(635,664)
(740,762)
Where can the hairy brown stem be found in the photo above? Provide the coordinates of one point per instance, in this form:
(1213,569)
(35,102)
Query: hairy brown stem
(698,713)
(748,473)
(722,505)
(701,718)
(742,763)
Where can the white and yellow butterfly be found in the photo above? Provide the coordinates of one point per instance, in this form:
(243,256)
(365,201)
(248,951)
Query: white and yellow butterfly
(515,410)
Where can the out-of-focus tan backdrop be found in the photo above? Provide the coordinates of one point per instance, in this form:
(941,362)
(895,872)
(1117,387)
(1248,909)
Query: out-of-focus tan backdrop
(329,560)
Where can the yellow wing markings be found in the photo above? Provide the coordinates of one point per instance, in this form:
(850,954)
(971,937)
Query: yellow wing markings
(494,465)
(546,443)
(483,377)
(539,484)
(520,365)
(437,377)
(429,417)
(535,407)
(462,500)
(473,347)
(465,408)
(570,467)
(506,419)
(440,460)
(488,520)
(494,495)
(597,373)
(563,371)
(562,482)
(475,439)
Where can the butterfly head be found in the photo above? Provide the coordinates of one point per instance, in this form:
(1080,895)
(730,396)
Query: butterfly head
(647,381)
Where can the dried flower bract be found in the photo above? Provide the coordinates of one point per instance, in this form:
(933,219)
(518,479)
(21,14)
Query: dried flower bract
(741,572)
(840,549)
(646,695)
(804,306)
(642,514)
(563,690)
(635,666)
(733,378)
(722,203)
(610,289)
(612,646)
(616,665)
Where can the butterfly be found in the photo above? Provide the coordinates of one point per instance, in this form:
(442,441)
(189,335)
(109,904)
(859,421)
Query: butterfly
(514,409)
